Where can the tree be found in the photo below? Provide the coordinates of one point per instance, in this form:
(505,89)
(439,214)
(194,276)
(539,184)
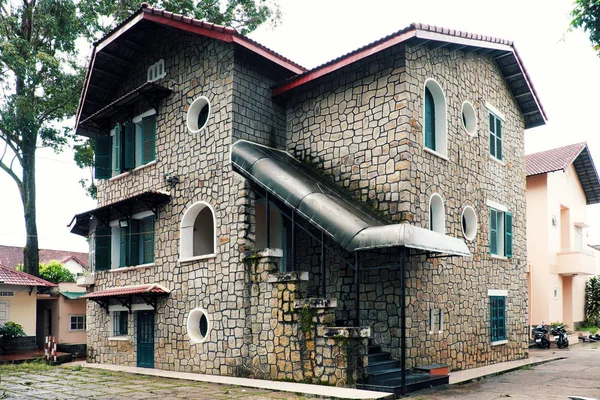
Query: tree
(586,15)
(592,301)
(41,78)
(55,272)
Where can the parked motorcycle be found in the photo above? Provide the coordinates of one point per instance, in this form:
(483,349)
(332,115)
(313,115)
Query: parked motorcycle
(581,398)
(540,334)
(560,336)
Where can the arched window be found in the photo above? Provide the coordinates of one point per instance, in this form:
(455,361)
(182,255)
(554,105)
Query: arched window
(437,216)
(434,118)
(198,235)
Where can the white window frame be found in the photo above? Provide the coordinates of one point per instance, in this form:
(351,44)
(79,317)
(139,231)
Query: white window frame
(115,245)
(441,119)
(499,293)
(156,71)
(186,232)
(71,316)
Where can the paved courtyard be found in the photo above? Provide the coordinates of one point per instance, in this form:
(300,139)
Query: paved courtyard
(577,375)
(38,381)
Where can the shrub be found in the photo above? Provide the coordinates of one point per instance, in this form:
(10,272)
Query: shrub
(55,272)
(11,330)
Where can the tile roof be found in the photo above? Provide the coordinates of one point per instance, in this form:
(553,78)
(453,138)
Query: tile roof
(595,246)
(10,276)
(72,295)
(561,158)
(11,256)
(154,289)
(553,159)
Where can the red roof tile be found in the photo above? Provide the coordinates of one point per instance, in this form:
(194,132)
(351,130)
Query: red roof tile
(9,276)
(128,290)
(553,159)
(11,256)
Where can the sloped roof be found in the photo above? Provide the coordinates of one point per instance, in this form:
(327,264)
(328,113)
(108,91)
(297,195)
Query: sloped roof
(73,295)
(10,276)
(503,51)
(151,289)
(560,159)
(331,209)
(11,256)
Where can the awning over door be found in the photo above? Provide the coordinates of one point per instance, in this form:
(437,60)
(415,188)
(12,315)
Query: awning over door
(124,295)
(349,222)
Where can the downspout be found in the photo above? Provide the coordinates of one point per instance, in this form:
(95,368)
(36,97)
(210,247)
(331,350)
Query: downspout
(403,319)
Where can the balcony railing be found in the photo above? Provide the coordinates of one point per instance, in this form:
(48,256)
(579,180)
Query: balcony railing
(576,262)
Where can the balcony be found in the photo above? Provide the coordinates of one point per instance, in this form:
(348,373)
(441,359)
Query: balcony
(85,280)
(576,262)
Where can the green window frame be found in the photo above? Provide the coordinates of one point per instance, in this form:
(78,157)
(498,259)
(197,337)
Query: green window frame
(495,128)
(102,157)
(137,242)
(120,322)
(102,245)
(497,318)
(429,122)
(501,233)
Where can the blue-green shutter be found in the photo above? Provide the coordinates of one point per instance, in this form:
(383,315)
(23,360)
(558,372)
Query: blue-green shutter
(148,139)
(493,231)
(429,120)
(128,146)
(124,247)
(497,318)
(134,242)
(102,238)
(508,235)
(501,318)
(147,232)
(117,149)
(498,139)
(492,135)
(102,158)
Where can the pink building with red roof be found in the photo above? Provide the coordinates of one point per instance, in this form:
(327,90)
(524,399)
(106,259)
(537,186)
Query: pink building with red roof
(561,183)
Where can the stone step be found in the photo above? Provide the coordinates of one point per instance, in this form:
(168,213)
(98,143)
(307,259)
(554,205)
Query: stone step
(386,374)
(381,356)
(375,348)
(376,366)
(414,382)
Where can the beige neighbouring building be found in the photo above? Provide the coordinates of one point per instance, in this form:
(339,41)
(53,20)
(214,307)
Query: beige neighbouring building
(561,183)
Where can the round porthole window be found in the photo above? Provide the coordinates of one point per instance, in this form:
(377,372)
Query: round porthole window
(469,118)
(198,114)
(469,223)
(198,325)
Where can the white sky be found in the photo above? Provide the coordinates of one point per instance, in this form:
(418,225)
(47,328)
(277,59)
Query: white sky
(563,67)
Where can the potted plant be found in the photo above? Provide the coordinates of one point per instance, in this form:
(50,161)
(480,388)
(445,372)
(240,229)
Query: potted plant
(8,332)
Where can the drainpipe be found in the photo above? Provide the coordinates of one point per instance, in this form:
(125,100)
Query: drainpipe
(403,318)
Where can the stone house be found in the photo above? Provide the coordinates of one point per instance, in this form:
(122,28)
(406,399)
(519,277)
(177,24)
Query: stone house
(332,225)
(561,183)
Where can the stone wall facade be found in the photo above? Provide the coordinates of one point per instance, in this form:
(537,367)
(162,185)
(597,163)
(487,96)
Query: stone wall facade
(361,127)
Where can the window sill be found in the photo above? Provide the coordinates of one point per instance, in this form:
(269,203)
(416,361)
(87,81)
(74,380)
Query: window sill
(494,159)
(119,338)
(136,169)
(197,258)
(134,268)
(498,257)
(435,153)
(499,342)
(151,163)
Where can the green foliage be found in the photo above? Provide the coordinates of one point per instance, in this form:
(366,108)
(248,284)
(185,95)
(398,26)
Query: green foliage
(55,272)
(586,15)
(592,301)
(305,318)
(587,327)
(11,330)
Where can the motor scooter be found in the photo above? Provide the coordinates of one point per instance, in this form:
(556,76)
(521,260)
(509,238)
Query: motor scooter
(581,398)
(540,335)
(560,336)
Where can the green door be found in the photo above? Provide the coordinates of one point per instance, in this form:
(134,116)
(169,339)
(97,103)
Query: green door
(145,339)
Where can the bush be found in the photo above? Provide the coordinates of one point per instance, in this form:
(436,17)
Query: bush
(55,272)
(592,301)
(11,330)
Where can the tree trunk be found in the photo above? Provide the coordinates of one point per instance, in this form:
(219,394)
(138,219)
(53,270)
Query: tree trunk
(31,258)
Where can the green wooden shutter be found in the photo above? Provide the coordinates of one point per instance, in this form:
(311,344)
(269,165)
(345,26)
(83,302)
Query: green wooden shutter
(102,245)
(498,139)
(102,158)
(493,231)
(492,135)
(124,247)
(501,318)
(117,149)
(134,242)
(129,146)
(147,231)
(429,120)
(148,139)
(508,234)
(493,319)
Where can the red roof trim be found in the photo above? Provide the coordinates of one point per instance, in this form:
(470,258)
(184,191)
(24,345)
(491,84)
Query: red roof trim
(127,290)
(9,276)
(189,27)
(342,62)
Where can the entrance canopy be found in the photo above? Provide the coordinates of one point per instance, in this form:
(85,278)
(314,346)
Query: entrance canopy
(125,295)
(347,221)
